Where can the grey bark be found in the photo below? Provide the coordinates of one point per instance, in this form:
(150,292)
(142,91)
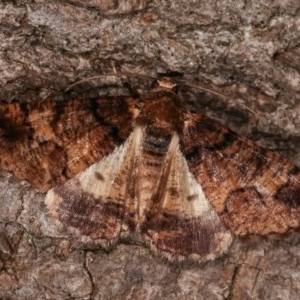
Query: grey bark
(249,51)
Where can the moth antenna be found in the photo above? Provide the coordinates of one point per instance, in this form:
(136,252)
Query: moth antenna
(109,75)
(88,79)
(154,78)
(200,88)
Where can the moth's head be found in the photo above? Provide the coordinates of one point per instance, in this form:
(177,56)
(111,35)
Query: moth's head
(164,84)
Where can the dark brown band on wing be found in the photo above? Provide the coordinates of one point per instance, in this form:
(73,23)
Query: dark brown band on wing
(203,134)
(294,171)
(96,218)
(179,235)
(120,109)
(289,193)
(196,151)
(13,126)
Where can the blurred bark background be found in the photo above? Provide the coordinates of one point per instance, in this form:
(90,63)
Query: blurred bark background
(248,51)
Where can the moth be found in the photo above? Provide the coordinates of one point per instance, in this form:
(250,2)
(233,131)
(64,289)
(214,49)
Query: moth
(119,168)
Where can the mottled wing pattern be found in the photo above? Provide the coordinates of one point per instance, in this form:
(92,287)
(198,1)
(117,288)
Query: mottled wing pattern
(180,221)
(47,143)
(98,202)
(179,181)
(254,191)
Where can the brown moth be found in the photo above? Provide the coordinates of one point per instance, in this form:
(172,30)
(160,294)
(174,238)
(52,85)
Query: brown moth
(119,168)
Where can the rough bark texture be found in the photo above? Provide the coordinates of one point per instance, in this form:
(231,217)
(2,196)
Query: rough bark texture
(248,51)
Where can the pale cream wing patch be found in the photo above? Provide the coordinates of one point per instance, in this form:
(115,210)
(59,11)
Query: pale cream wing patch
(94,202)
(183,194)
(183,223)
(109,178)
(109,200)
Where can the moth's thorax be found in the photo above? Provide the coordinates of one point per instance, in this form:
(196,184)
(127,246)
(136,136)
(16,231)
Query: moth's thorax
(163,113)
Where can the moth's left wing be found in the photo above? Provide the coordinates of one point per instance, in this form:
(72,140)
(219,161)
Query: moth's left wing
(254,191)
(47,143)
(98,203)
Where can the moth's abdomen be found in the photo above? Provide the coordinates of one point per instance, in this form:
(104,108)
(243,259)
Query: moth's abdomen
(151,163)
